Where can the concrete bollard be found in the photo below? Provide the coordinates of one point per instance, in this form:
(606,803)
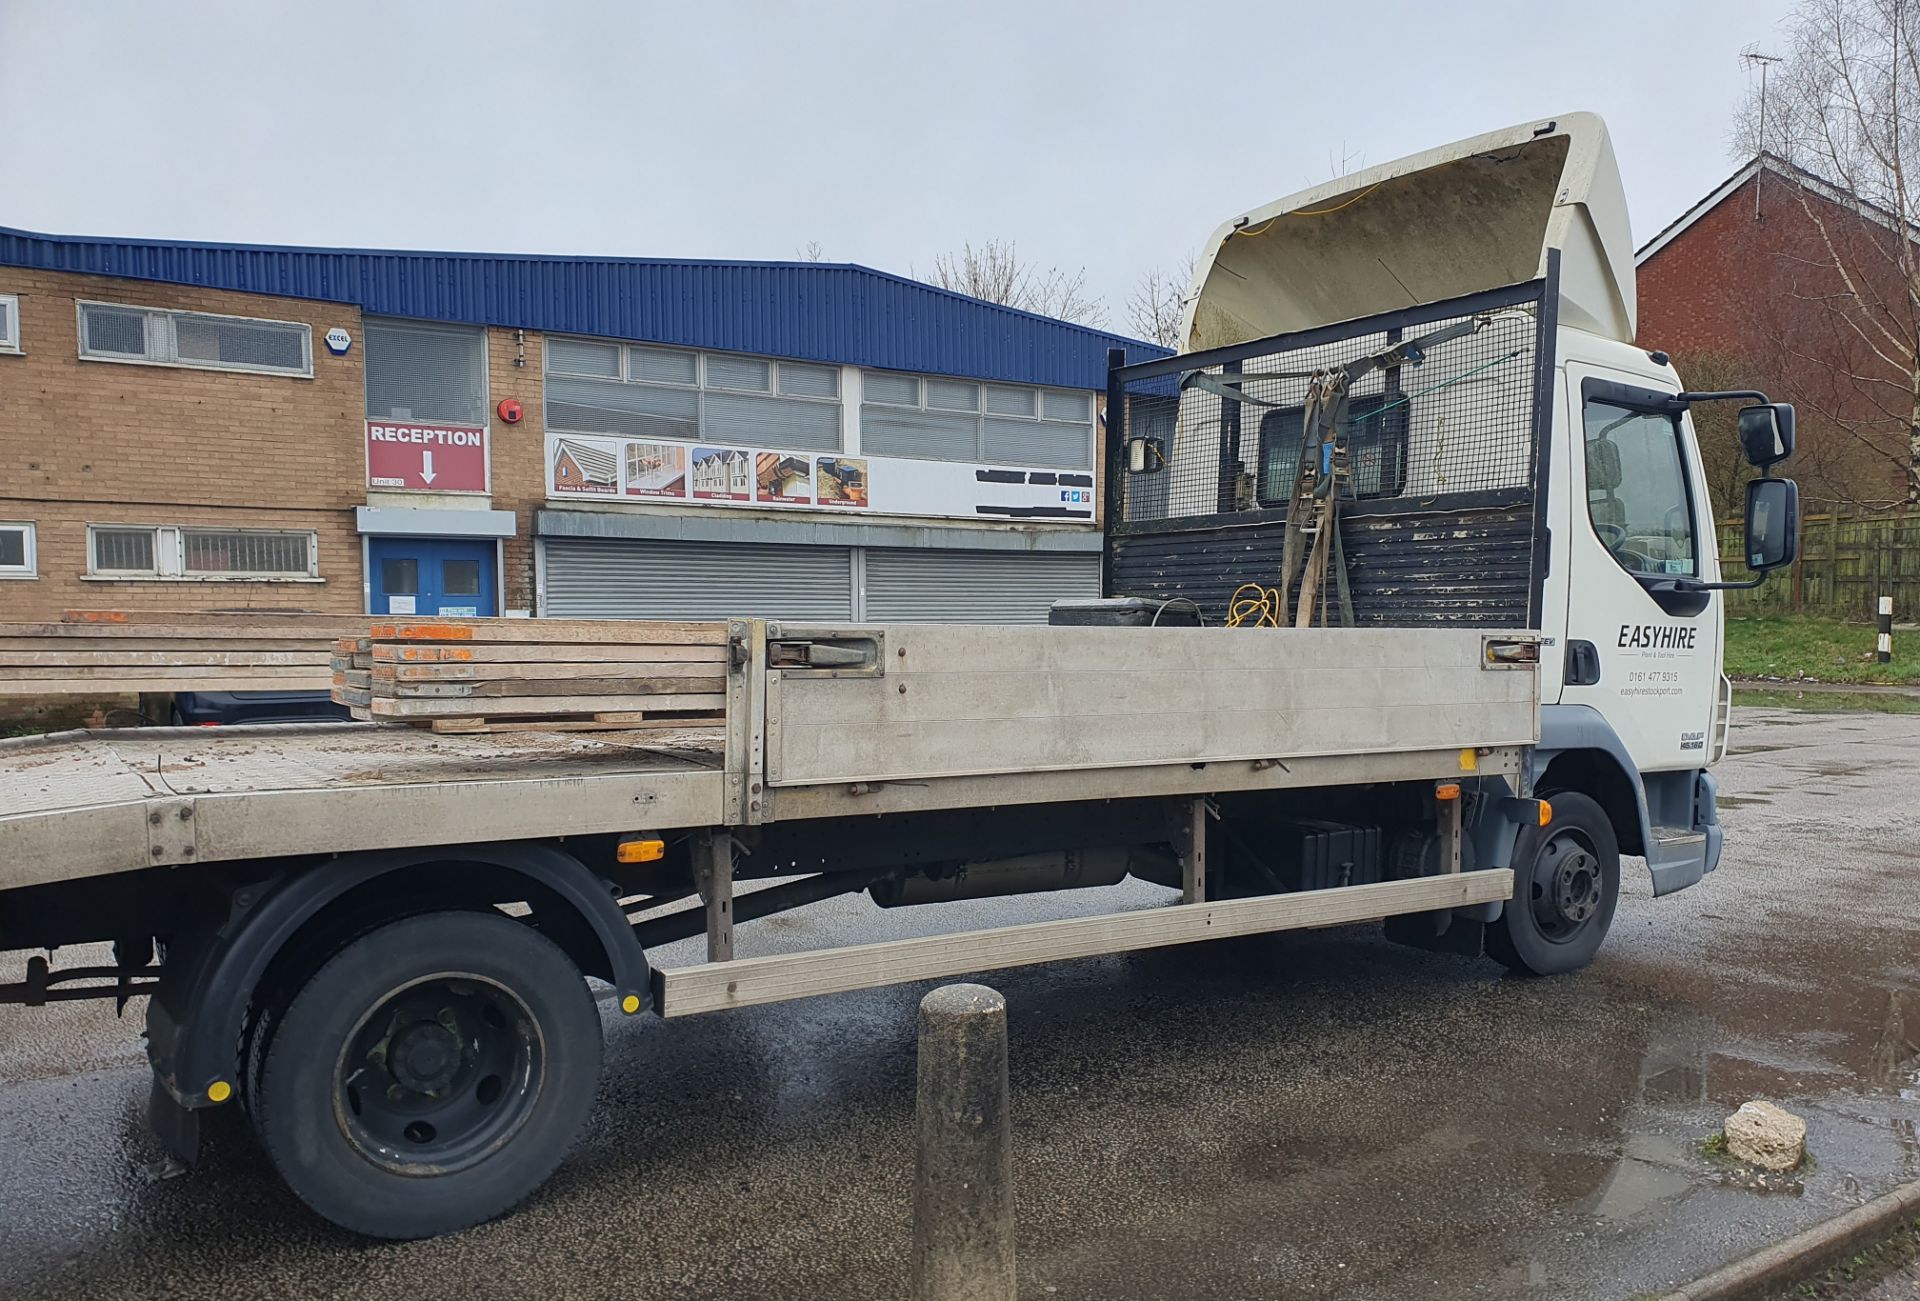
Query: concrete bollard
(963,1173)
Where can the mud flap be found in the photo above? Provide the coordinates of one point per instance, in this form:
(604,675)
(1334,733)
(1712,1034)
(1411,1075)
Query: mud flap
(1439,932)
(177,1128)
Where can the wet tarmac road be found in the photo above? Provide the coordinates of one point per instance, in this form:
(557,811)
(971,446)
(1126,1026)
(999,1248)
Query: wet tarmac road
(1302,1115)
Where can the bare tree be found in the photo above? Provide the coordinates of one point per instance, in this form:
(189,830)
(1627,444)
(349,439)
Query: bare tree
(811,251)
(1715,425)
(1349,162)
(1842,105)
(1159,301)
(996,272)
(1834,466)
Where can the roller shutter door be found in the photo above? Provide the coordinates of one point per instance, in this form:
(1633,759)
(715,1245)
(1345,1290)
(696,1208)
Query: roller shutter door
(911,586)
(622,578)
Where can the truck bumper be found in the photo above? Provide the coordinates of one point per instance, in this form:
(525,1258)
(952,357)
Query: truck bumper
(1706,815)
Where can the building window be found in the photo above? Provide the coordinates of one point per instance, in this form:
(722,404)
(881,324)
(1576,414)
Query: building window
(432,373)
(957,420)
(16,551)
(151,337)
(143,551)
(9,323)
(641,391)
(125,551)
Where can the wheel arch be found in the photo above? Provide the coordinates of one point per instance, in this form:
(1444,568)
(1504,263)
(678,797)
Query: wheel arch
(1579,750)
(196,1019)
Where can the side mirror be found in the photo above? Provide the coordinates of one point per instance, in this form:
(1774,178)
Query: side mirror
(1773,518)
(1603,465)
(1145,455)
(1766,433)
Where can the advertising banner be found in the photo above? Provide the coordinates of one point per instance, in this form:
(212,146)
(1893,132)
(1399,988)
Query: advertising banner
(589,466)
(722,474)
(655,470)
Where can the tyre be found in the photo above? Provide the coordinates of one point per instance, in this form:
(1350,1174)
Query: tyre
(1566,885)
(295,964)
(430,1075)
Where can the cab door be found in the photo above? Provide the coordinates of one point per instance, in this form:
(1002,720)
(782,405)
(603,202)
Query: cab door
(1640,647)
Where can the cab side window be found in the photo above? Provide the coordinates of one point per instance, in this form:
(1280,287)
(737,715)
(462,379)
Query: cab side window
(1637,491)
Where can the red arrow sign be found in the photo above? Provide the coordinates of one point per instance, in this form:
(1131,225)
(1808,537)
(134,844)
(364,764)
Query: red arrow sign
(426,458)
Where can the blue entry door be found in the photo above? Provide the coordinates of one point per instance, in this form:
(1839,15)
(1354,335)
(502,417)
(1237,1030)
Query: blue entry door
(453,577)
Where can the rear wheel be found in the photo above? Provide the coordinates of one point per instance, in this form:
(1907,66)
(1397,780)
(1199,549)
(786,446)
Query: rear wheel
(430,1075)
(1566,885)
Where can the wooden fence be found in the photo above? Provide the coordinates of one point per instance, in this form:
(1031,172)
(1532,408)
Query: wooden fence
(1847,562)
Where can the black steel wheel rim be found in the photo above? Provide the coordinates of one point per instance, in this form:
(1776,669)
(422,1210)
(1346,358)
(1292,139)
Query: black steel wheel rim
(1567,886)
(439,1074)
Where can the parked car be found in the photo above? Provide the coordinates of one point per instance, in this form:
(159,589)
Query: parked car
(218,708)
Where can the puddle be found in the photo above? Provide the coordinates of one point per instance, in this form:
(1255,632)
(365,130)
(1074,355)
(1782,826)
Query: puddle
(1637,1185)
(1895,1060)
(1739,801)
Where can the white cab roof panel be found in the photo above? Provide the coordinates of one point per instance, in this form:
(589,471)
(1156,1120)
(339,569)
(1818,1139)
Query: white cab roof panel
(1474,215)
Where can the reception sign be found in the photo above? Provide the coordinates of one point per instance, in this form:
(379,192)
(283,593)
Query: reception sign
(426,458)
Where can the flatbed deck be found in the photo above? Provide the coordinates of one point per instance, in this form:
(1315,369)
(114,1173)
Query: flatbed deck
(92,802)
(892,719)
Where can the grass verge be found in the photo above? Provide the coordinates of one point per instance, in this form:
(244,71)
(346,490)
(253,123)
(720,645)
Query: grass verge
(1819,649)
(1825,702)
(1891,1261)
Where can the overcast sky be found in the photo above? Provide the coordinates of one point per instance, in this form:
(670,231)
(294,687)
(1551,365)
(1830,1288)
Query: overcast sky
(1109,135)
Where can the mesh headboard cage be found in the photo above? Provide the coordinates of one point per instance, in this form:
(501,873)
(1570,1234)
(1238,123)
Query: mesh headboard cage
(1442,511)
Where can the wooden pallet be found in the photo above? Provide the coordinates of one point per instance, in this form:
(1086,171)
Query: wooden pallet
(522,675)
(545,706)
(602,722)
(547,631)
(545,653)
(123,652)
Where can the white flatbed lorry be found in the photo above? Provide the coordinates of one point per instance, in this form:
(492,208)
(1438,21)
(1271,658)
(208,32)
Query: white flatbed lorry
(374,938)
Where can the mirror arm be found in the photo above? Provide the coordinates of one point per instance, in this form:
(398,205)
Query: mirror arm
(1695,585)
(1688,399)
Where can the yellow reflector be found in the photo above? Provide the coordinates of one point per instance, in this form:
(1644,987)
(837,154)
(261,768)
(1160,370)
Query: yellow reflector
(1546,813)
(1469,760)
(219,1091)
(641,849)
(630,1004)
(1447,791)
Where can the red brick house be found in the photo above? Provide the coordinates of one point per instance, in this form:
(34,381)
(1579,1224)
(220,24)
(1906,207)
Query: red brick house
(1743,290)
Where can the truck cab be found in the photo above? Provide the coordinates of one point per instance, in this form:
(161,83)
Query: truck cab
(1632,676)
(1535,466)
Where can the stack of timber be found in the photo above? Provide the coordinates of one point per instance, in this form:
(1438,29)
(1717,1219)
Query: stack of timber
(491,675)
(113,652)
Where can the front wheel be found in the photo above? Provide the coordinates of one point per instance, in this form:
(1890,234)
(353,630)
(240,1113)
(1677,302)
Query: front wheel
(1566,884)
(430,1075)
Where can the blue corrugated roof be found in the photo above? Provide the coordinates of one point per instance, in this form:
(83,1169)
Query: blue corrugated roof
(835,312)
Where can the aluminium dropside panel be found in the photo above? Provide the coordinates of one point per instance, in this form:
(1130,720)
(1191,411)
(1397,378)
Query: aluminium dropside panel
(974,701)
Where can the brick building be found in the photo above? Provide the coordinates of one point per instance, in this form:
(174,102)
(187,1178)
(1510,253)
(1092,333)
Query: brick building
(192,426)
(1743,291)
